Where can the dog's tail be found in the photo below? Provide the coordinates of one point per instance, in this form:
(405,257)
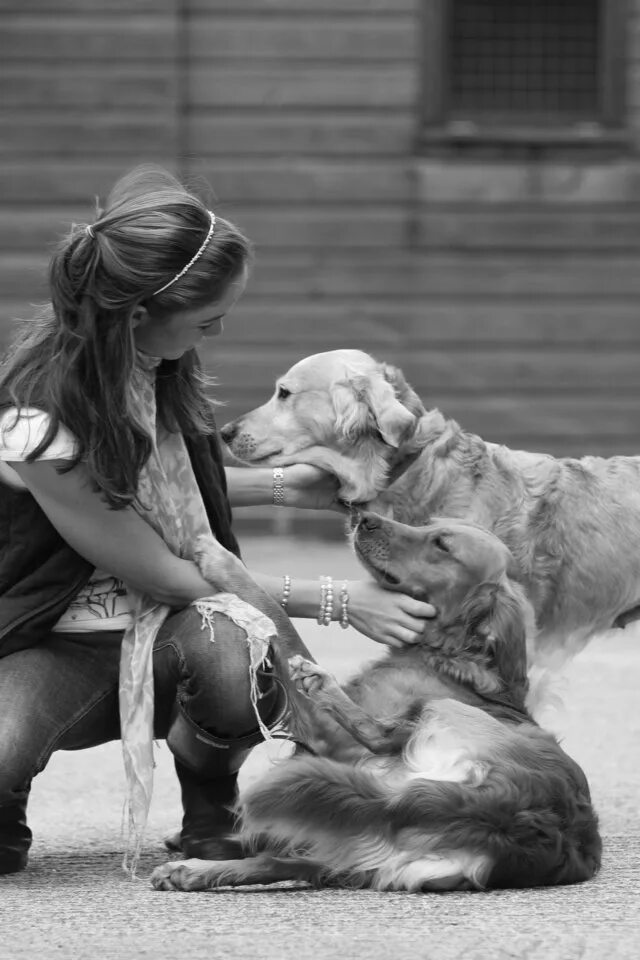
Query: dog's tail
(358,827)
(329,814)
(309,792)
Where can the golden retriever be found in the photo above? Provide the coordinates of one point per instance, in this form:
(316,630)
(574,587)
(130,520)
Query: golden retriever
(425,772)
(573,526)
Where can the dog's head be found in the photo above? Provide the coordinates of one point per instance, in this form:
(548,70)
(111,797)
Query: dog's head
(467,574)
(339,410)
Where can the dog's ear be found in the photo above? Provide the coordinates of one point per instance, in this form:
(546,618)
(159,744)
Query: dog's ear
(393,419)
(365,404)
(415,439)
(403,392)
(500,615)
(352,415)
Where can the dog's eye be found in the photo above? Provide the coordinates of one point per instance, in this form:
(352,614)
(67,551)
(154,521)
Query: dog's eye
(441,544)
(283,393)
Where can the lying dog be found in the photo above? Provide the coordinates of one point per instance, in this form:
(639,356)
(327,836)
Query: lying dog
(457,787)
(573,526)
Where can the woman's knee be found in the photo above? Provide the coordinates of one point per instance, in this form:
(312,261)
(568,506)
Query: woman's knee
(212,647)
(209,663)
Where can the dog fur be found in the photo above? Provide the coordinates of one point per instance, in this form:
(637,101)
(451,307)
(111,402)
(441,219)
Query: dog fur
(572,526)
(455,787)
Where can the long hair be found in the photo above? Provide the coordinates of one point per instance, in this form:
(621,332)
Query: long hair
(76,359)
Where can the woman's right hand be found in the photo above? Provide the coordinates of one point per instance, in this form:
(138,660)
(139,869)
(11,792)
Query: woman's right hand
(386,616)
(310,487)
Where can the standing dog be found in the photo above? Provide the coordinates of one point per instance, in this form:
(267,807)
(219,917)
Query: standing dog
(425,772)
(573,526)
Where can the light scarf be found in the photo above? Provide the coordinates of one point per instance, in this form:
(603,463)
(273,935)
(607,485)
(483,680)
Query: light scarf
(169,500)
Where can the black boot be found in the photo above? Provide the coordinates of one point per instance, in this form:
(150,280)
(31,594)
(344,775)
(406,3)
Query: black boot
(209,819)
(207,768)
(15,837)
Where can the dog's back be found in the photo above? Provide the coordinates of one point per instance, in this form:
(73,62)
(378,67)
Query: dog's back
(571,524)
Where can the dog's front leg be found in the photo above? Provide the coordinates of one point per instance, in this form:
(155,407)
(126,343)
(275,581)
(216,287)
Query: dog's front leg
(189,875)
(378,736)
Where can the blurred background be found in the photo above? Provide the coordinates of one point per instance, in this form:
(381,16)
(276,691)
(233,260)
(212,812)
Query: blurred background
(451,185)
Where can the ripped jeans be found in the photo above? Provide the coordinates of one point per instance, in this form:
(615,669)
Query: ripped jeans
(63,695)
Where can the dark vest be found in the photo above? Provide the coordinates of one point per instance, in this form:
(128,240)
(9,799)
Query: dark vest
(40,573)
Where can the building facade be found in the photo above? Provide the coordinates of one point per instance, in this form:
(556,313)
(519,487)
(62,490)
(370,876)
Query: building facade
(451,185)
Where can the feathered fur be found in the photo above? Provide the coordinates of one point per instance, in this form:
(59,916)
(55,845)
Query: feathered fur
(572,526)
(426,771)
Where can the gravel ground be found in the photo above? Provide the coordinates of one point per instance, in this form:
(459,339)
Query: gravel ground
(74,902)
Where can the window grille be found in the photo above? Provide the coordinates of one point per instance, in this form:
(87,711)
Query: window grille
(525,58)
(524,74)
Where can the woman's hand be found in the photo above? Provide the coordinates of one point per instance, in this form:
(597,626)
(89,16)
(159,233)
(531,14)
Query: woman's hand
(311,487)
(304,486)
(386,616)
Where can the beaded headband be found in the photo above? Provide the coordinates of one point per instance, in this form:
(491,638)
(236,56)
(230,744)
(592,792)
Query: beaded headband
(194,258)
(205,244)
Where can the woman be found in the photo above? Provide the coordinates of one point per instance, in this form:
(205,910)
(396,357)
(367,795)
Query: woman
(110,470)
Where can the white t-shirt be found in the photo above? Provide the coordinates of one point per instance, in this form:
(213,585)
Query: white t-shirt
(103,603)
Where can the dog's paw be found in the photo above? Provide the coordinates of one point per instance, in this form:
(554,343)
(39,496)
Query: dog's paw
(182,875)
(208,552)
(215,562)
(308,677)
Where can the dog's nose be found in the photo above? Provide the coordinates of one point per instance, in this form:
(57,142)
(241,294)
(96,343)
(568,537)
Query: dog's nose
(229,431)
(370,521)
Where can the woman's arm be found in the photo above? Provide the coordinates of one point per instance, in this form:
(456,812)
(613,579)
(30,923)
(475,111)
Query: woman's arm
(249,486)
(116,541)
(123,545)
(382,615)
(303,486)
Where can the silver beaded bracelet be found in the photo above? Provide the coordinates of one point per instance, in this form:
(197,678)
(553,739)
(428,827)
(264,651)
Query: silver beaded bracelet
(278,486)
(286,591)
(344,605)
(325,613)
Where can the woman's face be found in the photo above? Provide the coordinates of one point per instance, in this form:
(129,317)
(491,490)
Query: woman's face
(172,336)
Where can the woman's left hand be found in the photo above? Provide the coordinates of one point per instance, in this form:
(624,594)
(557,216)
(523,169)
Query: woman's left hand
(311,487)
(387,616)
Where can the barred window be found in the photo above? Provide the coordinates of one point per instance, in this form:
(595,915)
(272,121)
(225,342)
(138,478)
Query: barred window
(525,58)
(516,68)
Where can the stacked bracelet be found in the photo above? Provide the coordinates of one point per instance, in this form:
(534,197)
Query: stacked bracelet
(344,605)
(278,486)
(325,613)
(286,591)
